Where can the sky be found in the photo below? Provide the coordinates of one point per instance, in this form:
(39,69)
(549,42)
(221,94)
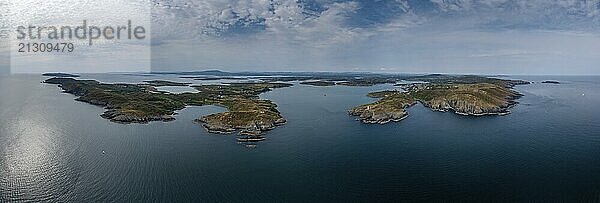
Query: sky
(4,54)
(409,36)
(395,36)
(105,55)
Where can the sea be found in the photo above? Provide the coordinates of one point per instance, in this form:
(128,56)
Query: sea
(56,149)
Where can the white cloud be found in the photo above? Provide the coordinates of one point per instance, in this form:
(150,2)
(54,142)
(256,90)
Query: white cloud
(510,53)
(327,28)
(4,19)
(469,36)
(453,5)
(288,20)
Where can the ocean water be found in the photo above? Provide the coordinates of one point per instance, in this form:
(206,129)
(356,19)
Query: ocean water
(548,148)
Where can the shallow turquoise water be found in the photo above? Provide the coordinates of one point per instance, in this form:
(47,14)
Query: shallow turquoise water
(547,149)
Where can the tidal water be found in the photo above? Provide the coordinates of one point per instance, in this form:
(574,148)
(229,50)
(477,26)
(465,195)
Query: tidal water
(53,148)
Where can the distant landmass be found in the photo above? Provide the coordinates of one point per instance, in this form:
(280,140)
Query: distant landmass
(250,116)
(318,83)
(65,75)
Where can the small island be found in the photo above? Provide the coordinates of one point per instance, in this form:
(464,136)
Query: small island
(551,82)
(464,95)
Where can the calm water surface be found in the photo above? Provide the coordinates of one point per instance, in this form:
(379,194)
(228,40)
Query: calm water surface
(51,149)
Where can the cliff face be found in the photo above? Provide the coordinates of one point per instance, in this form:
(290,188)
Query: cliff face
(465,99)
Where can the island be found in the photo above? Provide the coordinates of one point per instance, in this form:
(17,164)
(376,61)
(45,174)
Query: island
(318,83)
(137,103)
(64,75)
(464,95)
(551,82)
(246,112)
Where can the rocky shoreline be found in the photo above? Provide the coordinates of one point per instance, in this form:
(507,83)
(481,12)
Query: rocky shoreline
(118,117)
(254,129)
(381,118)
(475,99)
(369,115)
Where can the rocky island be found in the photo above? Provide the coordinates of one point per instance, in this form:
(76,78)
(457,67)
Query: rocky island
(136,103)
(247,113)
(464,95)
(391,107)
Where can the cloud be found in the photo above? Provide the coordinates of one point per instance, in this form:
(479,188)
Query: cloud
(326,28)
(329,21)
(510,53)
(4,20)
(531,14)
(453,5)
(486,36)
(220,17)
(311,22)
